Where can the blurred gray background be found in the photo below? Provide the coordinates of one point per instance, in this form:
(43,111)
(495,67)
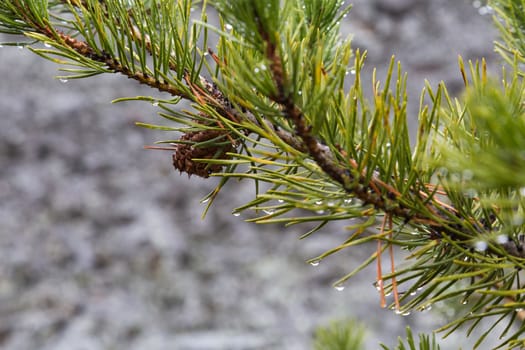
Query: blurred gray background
(101,242)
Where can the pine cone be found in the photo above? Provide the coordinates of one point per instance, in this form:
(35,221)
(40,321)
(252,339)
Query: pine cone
(189,150)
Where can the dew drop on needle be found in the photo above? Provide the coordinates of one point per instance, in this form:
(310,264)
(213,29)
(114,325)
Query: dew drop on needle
(315,262)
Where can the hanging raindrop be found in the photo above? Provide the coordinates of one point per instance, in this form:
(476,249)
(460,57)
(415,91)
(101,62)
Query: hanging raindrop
(339,287)
(427,308)
(480,246)
(502,238)
(315,262)
(485,10)
(378,285)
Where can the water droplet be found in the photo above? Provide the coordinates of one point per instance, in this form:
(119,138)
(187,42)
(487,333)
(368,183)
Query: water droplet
(348,201)
(426,308)
(269,211)
(378,285)
(480,246)
(464,301)
(518,309)
(402,312)
(20,47)
(263,67)
(318,202)
(280,201)
(320,211)
(205,200)
(236,213)
(299,92)
(502,239)
(330,204)
(48,45)
(339,287)
(155,103)
(485,10)
(228,26)
(413,293)
(256,70)
(315,262)
(63,80)
(1,46)
(352,71)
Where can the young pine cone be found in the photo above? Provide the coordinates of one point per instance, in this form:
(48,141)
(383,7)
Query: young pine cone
(186,152)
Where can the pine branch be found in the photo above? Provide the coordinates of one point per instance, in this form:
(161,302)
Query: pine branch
(376,192)
(272,108)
